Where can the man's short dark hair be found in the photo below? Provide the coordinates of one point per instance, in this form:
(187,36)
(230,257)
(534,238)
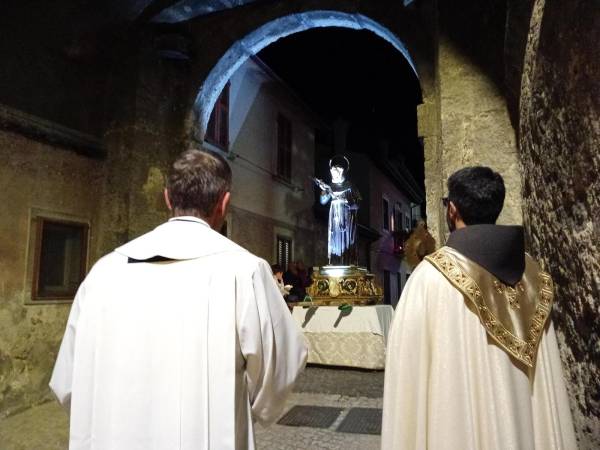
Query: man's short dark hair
(197,181)
(478,194)
(276,268)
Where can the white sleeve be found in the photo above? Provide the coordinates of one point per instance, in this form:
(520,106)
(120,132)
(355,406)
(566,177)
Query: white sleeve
(407,366)
(62,375)
(272,345)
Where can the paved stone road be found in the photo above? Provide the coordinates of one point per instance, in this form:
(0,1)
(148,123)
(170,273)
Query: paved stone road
(45,427)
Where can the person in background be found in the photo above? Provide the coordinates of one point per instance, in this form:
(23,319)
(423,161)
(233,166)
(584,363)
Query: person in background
(304,277)
(278,277)
(290,277)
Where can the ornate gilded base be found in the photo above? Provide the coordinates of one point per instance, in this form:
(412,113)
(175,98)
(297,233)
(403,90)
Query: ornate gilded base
(336,285)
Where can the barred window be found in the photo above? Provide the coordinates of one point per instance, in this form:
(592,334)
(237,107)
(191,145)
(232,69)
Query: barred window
(284,251)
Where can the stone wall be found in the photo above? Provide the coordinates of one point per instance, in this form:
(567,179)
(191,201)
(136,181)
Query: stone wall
(258,235)
(142,140)
(54,65)
(475,126)
(560,153)
(465,121)
(55,182)
(518,16)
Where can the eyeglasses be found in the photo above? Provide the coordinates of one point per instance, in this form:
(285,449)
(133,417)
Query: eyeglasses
(445,201)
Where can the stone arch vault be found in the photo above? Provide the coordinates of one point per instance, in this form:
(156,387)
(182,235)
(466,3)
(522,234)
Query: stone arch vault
(270,32)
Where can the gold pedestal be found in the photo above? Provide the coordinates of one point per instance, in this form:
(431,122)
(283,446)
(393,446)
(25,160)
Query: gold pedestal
(336,285)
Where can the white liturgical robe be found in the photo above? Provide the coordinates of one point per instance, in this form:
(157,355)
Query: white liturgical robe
(179,339)
(449,386)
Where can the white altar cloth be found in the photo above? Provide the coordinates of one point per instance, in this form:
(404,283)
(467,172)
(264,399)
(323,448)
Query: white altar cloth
(355,339)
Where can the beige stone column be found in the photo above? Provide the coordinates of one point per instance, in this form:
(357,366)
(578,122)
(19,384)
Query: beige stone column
(475,127)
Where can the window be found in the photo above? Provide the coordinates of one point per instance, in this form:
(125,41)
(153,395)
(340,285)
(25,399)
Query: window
(284,251)
(398,217)
(399,283)
(60,259)
(284,148)
(217,132)
(407,223)
(386,214)
(386,287)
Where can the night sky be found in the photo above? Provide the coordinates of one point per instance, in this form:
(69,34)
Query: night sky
(360,77)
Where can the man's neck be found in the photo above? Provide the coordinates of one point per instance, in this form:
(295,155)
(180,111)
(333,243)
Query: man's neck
(190,218)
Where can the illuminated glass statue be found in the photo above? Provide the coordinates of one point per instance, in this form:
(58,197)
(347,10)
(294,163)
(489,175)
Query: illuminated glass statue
(342,242)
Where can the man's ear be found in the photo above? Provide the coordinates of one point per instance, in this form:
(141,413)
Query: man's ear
(217,217)
(167,199)
(452,211)
(224,203)
(455,216)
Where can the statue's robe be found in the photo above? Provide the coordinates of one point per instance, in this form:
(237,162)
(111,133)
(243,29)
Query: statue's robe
(179,339)
(342,239)
(472,357)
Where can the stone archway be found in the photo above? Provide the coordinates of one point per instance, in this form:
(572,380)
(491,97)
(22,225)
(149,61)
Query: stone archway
(270,32)
(399,35)
(462,121)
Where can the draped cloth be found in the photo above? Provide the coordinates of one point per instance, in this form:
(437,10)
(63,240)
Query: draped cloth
(342,224)
(450,385)
(182,353)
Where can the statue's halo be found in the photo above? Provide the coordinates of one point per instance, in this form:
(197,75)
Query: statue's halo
(340,161)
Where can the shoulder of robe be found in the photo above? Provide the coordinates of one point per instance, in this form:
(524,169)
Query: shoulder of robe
(426,273)
(110,262)
(236,259)
(427,282)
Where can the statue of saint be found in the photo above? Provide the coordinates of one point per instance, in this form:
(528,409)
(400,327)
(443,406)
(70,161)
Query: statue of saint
(342,242)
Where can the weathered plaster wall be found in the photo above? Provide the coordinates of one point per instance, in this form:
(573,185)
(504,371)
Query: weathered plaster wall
(256,100)
(35,175)
(560,152)
(142,140)
(258,235)
(475,125)
(382,250)
(262,205)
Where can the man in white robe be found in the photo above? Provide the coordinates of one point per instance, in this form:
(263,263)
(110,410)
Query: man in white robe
(180,338)
(472,357)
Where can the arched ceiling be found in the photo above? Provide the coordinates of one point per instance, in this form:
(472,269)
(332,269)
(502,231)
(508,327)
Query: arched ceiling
(173,11)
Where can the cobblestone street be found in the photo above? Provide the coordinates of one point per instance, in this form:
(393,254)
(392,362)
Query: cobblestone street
(45,427)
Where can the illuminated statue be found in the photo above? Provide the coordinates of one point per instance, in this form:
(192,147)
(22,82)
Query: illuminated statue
(342,249)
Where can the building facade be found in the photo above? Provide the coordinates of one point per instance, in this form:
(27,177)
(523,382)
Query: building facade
(390,208)
(268,135)
(393,214)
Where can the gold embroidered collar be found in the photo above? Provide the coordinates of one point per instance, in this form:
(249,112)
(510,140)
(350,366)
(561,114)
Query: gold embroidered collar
(514,317)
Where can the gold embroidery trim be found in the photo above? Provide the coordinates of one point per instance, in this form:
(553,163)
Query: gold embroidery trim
(510,293)
(522,350)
